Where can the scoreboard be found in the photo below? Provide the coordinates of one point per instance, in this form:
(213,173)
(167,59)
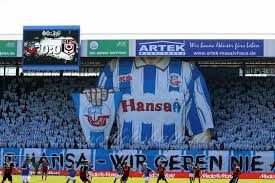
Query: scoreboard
(51,48)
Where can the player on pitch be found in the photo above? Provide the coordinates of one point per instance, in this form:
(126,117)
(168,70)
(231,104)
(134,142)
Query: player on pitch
(26,178)
(126,172)
(44,168)
(146,170)
(236,173)
(36,167)
(119,172)
(161,172)
(72,173)
(8,168)
(191,172)
(84,172)
(197,173)
(90,170)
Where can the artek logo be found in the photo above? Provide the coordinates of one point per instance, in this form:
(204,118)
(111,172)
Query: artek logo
(161,48)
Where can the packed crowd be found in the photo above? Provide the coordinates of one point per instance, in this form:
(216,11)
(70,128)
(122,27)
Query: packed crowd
(37,112)
(244,113)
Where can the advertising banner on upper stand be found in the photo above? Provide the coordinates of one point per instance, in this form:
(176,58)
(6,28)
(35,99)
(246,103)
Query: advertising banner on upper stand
(108,48)
(8,48)
(200,48)
(140,48)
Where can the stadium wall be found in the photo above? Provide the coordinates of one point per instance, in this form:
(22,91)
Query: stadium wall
(175,160)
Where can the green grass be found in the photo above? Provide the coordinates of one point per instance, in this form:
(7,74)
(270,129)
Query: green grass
(61,179)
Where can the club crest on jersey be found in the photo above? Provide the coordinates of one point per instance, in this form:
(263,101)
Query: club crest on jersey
(125,78)
(174,80)
(97,116)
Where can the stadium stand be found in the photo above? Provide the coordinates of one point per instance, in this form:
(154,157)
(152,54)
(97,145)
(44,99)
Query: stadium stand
(38,112)
(244,113)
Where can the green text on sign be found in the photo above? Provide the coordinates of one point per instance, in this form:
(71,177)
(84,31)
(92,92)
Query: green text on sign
(108,48)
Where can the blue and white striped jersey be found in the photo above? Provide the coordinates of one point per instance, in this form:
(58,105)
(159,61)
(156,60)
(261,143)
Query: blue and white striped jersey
(159,100)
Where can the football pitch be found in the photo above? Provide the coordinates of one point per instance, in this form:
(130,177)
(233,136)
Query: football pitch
(61,179)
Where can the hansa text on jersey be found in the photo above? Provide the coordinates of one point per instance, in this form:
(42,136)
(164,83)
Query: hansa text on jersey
(132,105)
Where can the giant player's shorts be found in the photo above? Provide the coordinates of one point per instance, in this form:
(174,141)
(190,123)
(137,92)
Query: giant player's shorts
(191,175)
(26,178)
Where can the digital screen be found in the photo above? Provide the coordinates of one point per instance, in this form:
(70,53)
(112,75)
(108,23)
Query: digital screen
(51,48)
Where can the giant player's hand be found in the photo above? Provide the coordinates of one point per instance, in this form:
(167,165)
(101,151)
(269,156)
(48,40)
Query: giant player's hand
(204,137)
(97,95)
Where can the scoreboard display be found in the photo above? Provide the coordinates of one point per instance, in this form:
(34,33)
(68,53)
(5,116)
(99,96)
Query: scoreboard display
(51,48)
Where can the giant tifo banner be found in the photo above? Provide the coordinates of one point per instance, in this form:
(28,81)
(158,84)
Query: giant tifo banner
(152,100)
(174,160)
